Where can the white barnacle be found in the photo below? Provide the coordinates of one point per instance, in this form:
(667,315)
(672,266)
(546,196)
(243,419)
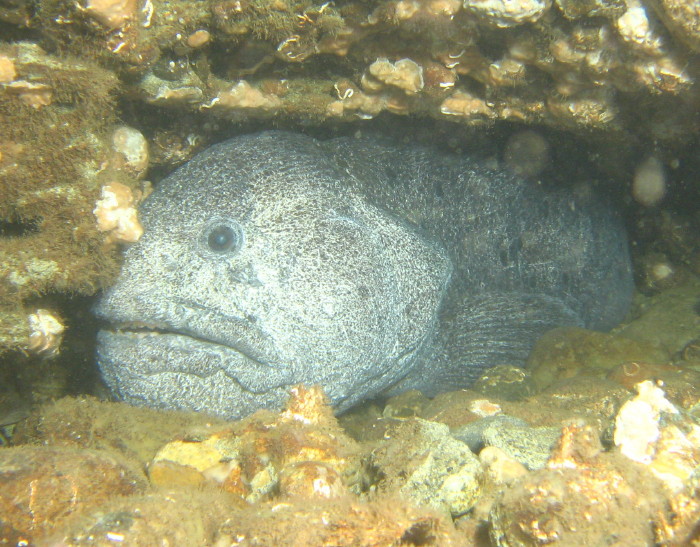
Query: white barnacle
(116,213)
(46,332)
(344,94)
(290,40)
(211,103)
(147,11)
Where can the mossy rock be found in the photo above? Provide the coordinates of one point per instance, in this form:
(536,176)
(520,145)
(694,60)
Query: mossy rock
(567,352)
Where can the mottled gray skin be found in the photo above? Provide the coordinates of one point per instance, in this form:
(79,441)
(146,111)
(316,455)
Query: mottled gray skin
(360,265)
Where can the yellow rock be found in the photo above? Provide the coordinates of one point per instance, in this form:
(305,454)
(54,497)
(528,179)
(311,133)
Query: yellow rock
(198,455)
(167,473)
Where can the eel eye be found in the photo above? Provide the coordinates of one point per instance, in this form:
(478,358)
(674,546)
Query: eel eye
(223,236)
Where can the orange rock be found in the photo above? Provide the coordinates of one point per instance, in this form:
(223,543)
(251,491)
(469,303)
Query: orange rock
(168,474)
(342,522)
(630,374)
(500,467)
(301,451)
(43,486)
(311,480)
(579,444)
(198,38)
(111,13)
(7,70)
(571,351)
(600,498)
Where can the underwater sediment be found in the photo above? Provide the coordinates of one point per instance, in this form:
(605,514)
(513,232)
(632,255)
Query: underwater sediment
(602,465)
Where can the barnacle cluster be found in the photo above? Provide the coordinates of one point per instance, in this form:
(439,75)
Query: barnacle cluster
(562,63)
(56,119)
(300,452)
(284,478)
(86,469)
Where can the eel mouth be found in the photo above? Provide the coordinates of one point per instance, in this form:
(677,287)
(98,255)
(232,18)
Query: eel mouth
(139,330)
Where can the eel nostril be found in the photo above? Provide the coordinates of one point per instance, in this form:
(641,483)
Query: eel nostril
(245,274)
